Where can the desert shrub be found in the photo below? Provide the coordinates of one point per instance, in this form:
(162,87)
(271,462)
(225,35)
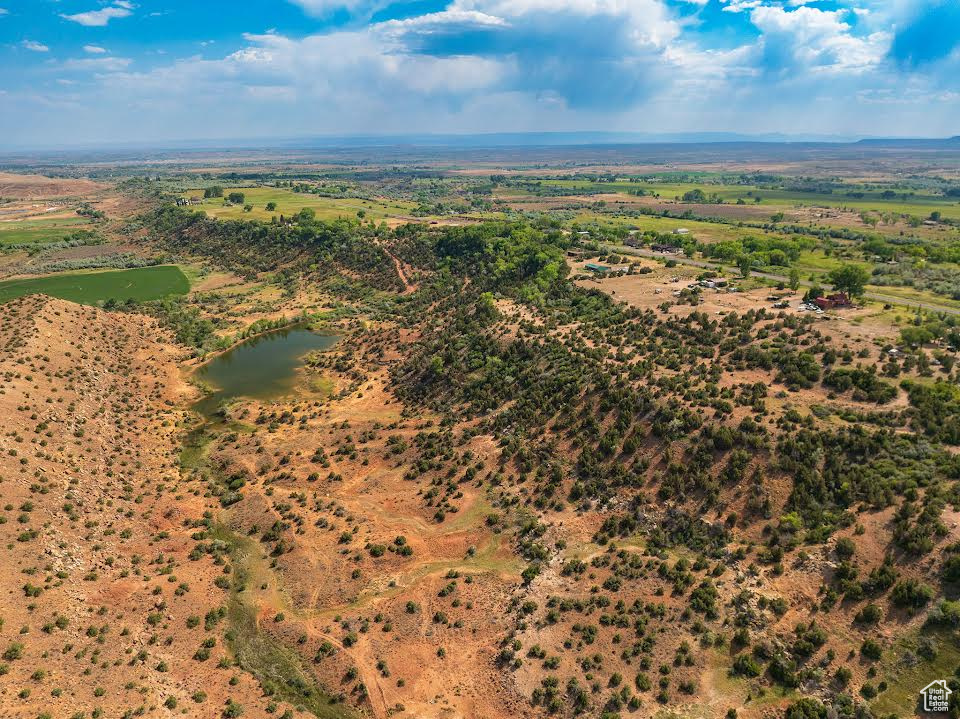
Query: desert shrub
(911,593)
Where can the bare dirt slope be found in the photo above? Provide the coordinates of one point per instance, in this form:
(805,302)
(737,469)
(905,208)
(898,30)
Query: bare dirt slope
(101,611)
(399,611)
(35,187)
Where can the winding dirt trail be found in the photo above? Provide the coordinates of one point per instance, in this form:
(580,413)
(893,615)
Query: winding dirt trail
(408,287)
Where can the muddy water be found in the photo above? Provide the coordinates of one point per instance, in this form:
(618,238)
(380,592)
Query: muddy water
(264,367)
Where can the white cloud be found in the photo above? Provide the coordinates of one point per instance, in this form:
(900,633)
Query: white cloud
(500,65)
(314,63)
(437,21)
(96,64)
(361,70)
(271,93)
(741,5)
(647,21)
(99,18)
(804,22)
(698,67)
(549,58)
(35,46)
(4,11)
(320,8)
(819,39)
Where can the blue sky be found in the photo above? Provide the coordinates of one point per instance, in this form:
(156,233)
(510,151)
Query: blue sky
(93,71)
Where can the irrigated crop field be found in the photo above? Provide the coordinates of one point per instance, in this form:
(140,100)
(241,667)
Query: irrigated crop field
(88,288)
(903,201)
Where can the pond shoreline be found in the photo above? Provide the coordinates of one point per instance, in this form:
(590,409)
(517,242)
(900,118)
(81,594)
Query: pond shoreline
(261,367)
(305,323)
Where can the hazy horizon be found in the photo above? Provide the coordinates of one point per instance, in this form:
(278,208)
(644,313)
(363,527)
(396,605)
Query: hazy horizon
(453,141)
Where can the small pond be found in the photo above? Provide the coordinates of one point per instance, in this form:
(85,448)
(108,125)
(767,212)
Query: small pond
(263,367)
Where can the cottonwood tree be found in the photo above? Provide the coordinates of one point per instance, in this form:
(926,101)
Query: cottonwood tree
(851,279)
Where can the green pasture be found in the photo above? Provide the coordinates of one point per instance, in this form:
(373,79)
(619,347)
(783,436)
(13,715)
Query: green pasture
(39,231)
(87,288)
(701,231)
(918,205)
(911,295)
(290,203)
(817,261)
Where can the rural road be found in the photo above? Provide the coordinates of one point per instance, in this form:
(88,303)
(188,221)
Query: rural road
(680,259)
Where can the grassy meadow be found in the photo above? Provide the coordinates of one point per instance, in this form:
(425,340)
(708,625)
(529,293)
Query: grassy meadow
(39,231)
(699,230)
(919,204)
(290,203)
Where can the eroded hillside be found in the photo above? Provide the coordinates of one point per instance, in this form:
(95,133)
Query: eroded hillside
(104,611)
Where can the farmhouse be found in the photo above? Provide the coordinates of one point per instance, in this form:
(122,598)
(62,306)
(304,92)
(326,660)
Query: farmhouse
(604,269)
(666,249)
(681,231)
(839,299)
(599,269)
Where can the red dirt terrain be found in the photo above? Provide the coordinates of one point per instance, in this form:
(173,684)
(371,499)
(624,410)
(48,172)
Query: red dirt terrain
(101,611)
(35,187)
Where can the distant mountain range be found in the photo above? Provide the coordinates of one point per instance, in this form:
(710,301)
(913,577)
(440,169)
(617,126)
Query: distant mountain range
(498,140)
(918,142)
(507,139)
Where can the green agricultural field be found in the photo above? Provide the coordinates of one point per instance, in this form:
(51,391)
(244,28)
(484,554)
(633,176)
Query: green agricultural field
(918,205)
(911,296)
(87,288)
(290,203)
(817,261)
(39,231)
(700,231)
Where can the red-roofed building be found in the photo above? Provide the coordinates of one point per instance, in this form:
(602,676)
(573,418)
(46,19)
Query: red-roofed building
(830,302)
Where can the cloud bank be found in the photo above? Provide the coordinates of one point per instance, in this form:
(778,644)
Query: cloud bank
(514,65)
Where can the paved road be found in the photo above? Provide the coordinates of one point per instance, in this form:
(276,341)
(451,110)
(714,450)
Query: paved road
(680,259)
